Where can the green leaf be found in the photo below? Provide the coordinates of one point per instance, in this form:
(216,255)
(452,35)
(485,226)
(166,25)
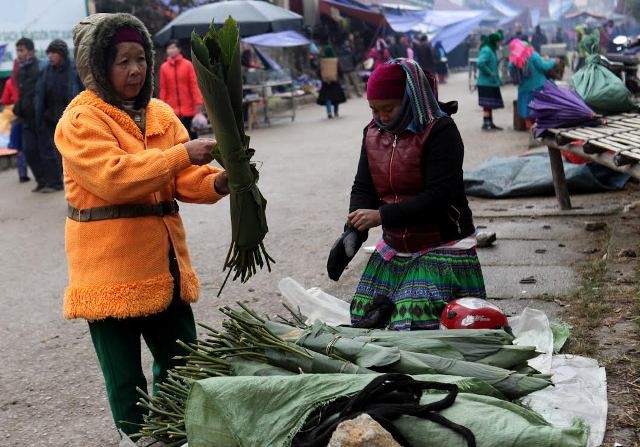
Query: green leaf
(199,50)
(228,38)
(216,62)
(211,40)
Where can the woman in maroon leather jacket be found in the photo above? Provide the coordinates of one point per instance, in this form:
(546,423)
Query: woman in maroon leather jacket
(409,180)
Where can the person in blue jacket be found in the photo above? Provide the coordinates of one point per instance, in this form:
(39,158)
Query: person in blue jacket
(488,83)
(531,71)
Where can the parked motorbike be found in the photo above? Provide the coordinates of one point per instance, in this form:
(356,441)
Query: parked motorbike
(627,45)
(624,62)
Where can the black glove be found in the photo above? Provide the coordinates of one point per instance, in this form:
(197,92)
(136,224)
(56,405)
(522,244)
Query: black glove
(378,314)
(449,108)
(343,251)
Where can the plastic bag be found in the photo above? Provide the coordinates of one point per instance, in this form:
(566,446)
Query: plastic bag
(603,91)
(199,122)
(315,304)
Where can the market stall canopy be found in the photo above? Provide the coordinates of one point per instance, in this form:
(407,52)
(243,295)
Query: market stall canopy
(253,17)
(558,8)
(430,21)
(451,36)
(446,4)
(504,8)
(281,39)
(584,15)
(353,9)
(450,27)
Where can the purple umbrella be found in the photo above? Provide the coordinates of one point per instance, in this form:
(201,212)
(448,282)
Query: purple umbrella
(553,106)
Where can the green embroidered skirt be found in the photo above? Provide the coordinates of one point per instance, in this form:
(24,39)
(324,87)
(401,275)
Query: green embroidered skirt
(419,287)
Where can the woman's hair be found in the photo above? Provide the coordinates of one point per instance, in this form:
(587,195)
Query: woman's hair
(25,42)
(175,42)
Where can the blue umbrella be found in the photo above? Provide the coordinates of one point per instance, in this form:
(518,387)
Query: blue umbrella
(553,106)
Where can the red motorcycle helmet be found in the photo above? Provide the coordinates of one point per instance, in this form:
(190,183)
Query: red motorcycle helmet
(473,313)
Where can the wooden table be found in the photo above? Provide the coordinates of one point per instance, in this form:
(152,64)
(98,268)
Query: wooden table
(262,88)
(615,145)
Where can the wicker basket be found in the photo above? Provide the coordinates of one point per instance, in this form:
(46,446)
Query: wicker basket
(329,68)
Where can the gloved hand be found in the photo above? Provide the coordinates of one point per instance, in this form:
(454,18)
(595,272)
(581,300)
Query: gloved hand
(378,314)
(449,108)
(343,251)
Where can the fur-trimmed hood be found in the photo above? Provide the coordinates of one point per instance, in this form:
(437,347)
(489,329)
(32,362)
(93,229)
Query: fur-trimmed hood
(92,40)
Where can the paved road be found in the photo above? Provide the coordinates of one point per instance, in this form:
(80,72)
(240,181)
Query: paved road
(51,390)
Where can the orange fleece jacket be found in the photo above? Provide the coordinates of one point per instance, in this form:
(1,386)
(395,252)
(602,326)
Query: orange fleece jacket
(120,267)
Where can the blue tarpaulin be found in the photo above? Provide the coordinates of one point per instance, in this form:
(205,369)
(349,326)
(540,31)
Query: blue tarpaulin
(503,177)
(448,26)
(281,39)
(402,23)
(503,8)
(267,62)
(429,21)
(451,36)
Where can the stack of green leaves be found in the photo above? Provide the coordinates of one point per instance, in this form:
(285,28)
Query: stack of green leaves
(389,358)
(216,59)
(251,345)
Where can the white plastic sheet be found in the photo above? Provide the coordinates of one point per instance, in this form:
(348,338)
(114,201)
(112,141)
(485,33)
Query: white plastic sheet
(580,384)
(580,391)
(531,328)
(315,304)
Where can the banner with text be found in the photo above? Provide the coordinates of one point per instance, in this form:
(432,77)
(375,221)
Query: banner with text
(41,21)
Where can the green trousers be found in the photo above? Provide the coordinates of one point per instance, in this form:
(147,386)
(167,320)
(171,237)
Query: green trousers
(117,344)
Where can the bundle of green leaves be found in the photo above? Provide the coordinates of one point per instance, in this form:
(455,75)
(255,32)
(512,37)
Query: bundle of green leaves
(216,60)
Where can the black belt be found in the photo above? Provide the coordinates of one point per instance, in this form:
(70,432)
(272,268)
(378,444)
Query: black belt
(122,211)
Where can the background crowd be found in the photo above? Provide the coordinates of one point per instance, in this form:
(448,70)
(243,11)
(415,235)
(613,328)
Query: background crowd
(39,91)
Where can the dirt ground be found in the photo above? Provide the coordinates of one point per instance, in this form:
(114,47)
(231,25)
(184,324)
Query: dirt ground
(51,388)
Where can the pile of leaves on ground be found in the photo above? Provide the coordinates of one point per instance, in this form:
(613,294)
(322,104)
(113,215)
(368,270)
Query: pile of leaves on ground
(249,345)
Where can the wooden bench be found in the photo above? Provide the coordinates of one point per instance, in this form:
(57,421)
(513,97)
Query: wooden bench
(615,145)
(7,158)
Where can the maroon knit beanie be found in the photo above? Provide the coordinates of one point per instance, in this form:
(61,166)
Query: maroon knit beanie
(388,81)
(127,34)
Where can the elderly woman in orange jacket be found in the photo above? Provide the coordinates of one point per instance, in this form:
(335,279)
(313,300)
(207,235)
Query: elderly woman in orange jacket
(179,87)
(127,159)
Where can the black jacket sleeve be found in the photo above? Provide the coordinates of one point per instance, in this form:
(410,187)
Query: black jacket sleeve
(442,172)
(363,194)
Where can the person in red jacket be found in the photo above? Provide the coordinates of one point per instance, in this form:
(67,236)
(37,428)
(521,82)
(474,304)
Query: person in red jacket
(178,86)
(10,97)
(9,93)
